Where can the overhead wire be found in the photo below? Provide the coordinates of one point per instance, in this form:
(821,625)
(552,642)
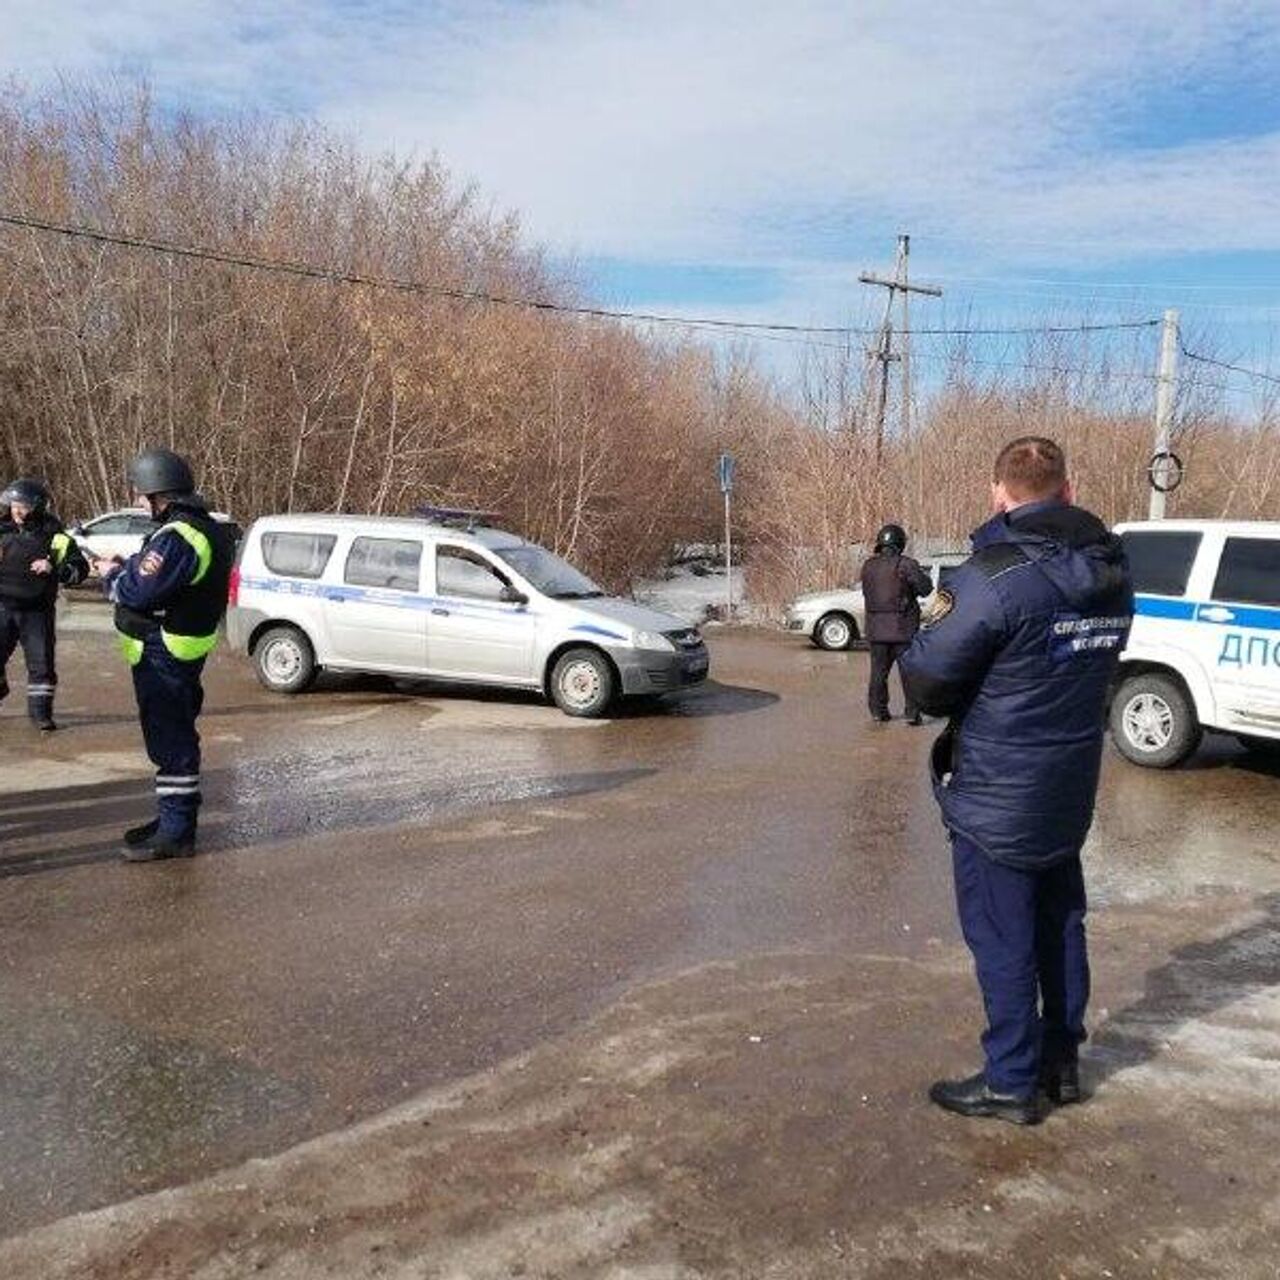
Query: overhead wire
(330,275)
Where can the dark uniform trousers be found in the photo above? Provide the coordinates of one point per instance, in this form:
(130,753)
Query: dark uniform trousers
(883,657)
(170,696)
(1026,931)
(35,630)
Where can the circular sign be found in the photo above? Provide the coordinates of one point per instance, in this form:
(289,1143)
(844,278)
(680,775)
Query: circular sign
(1165,472)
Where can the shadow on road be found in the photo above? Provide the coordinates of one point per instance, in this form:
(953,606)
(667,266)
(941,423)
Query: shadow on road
(236,820)
(1196,981)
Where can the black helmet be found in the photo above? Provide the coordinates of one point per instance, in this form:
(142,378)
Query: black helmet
(892,537)
(160,471)
(31,493)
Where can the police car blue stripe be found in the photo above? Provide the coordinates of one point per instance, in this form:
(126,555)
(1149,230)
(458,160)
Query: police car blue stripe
(1257,617)
(597,631)
(375,595)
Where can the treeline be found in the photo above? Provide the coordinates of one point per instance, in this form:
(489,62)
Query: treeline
(301,395)
(585,435)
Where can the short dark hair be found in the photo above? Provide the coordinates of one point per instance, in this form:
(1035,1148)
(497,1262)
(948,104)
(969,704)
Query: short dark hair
(1032,468)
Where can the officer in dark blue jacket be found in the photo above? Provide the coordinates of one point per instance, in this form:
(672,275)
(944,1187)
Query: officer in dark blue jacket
(170,598)
(1020,655)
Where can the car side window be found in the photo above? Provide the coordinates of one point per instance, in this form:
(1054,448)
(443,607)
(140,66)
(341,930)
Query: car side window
(297,555)
(391,563)
(464,574)
(1160,562)
(141,525)
(111,526)
(1249,571)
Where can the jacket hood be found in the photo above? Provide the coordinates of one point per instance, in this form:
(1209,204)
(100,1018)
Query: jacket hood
(1070,546)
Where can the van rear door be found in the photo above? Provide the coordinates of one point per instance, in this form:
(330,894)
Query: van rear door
(376,615)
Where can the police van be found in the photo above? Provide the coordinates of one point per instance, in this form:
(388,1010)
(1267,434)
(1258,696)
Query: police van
(445,596)
(1204,652)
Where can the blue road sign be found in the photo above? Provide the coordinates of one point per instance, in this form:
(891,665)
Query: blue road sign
(725,469)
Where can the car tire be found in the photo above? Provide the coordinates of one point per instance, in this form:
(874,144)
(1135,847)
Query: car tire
(1266,748)
(583,683)
(284,660)
(1153,721)
(834,631)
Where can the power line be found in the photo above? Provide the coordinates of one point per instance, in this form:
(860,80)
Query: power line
(1233,368)
(311,272)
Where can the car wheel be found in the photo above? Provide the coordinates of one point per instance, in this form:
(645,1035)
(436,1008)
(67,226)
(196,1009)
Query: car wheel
(835,631)
(583,683)
(1267,748)
(284,660)
(1153,722)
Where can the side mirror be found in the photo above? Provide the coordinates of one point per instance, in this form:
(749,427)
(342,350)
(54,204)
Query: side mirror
(511,596)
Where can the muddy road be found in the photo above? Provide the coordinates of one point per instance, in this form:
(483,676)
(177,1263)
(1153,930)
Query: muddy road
(651,997)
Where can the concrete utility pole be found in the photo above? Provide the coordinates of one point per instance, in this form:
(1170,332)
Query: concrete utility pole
(882,352)
(1165,388)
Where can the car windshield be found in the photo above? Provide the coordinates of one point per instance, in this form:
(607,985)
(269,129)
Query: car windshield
(548,573)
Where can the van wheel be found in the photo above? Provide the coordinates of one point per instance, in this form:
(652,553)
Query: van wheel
(1153,722)
(583,683)
(835,631)
(284,660)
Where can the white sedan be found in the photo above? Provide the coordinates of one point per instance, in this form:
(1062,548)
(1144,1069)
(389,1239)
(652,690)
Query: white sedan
(121,533)
(838,619)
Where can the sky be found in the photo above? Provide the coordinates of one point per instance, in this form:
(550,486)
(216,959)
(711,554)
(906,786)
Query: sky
(1099,158)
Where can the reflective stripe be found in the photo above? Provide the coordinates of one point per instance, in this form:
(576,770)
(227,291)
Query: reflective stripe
(59,545)
(177,791)
(175,778)
(131,647)
(188,648)
(198,543)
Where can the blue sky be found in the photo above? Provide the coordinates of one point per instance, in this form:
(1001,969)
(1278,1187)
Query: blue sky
(1102,158)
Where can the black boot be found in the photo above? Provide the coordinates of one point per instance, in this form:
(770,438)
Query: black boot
(142,833)
(157,847)
(4,688)
(1061,1082)
(973,1097)
(40,709)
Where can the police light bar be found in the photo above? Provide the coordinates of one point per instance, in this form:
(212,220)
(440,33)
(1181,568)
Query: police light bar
(455,517)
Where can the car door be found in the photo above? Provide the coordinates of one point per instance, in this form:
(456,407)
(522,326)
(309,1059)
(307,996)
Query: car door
(1244,610)
(109,536)
(475,630)
(376,616)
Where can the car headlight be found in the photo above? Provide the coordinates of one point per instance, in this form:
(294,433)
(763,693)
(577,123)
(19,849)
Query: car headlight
(653,640)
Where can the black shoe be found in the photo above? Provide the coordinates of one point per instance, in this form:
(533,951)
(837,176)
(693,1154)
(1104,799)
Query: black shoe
(1061,1083)
(158,847)
(141,834)
(972,1097)
(882,717)
(915,721)
(45,724)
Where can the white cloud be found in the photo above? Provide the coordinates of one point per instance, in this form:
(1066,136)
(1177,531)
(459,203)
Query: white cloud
(737,132)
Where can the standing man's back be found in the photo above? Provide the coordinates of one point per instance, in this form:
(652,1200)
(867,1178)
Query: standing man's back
(892,585)
(1021,657)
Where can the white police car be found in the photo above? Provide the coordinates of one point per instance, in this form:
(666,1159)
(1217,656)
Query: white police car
(448,597)
(1204,652)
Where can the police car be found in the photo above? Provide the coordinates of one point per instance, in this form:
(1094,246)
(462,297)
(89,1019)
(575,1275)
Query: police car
(449,597)
(1204,652)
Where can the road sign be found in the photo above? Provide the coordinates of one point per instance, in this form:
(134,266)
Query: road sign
(724,470)
(1165,472)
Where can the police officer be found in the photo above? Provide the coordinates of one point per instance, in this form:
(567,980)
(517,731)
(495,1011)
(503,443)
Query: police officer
(892,584)
(1019,654)
(36,555)
(170,598)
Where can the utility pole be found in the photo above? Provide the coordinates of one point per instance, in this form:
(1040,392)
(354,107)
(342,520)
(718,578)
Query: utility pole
(1165,387)
(882,353)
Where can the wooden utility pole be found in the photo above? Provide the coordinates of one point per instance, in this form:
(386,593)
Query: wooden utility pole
(1165,388)
(882,353)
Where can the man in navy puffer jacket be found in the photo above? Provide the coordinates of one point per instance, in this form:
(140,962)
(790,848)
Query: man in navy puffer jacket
(1020,656)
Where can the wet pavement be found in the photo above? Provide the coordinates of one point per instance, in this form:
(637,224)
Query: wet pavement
(649,997)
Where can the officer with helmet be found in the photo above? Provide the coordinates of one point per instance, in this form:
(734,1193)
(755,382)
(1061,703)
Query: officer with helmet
(892,584)
(170,598)
(36,556)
